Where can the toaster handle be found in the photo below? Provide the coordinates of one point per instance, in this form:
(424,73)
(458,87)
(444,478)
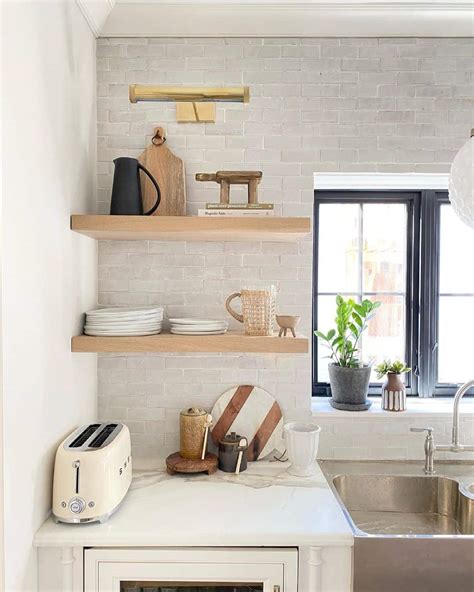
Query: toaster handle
(76,465)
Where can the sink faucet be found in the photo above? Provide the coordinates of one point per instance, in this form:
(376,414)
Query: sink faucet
(429,449)
(455,446)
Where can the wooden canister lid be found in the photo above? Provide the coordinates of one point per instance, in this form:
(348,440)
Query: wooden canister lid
(193,412)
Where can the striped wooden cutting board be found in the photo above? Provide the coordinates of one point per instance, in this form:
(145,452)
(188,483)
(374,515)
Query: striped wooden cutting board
(251,412)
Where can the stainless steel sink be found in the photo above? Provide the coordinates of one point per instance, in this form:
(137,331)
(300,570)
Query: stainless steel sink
(406,505)
(412,533)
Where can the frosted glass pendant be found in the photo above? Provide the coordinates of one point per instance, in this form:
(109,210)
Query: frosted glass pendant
(461,182)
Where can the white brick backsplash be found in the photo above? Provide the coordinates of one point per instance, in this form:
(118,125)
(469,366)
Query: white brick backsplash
(386,437)
(391,105)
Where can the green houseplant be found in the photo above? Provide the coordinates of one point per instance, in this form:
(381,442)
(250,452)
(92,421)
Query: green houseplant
(393,388)
(348,376)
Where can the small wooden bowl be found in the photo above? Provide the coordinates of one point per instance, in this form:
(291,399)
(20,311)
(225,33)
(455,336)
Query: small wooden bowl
(286,322)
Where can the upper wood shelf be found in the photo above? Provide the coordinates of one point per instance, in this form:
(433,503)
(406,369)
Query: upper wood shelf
(232,341)
(192,228)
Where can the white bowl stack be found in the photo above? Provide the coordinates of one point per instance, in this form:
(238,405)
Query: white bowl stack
(185,326)
(124,321)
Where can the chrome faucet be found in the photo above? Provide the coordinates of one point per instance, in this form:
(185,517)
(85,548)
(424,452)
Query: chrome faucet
(429,449)
(455,446)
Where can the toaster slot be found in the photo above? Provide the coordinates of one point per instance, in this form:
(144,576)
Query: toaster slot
(84,436)
(103,435)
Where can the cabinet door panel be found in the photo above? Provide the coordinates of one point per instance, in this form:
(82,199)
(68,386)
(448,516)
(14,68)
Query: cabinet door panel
(189,570)
(210,577)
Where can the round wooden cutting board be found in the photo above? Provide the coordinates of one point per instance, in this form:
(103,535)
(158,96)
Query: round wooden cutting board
(251,412)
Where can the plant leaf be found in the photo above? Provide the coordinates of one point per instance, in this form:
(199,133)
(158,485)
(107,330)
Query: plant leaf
(320,335)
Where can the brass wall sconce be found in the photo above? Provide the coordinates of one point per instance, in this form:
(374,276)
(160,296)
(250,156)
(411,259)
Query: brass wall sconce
(193,104)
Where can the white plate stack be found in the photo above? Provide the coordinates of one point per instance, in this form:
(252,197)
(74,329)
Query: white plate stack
(183,326)
(124,321)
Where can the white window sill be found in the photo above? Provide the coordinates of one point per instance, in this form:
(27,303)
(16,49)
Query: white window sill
(435,407)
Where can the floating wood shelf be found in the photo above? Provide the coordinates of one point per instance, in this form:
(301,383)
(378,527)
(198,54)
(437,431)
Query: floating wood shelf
(232,341)
(192,228)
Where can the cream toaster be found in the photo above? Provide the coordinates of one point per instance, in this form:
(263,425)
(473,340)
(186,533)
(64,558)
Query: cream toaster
(92,473)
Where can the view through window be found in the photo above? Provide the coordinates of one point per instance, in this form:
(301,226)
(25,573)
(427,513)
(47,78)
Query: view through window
(364,258)
(456,298)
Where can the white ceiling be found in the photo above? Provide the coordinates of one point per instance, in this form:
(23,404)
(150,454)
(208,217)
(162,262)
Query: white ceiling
(450,3)
(279,18)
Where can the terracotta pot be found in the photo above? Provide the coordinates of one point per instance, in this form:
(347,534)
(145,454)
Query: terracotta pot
(393,393)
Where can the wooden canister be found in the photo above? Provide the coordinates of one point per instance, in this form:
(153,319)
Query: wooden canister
(192,424)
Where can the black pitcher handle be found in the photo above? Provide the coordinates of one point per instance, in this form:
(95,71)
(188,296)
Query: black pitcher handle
(158,192)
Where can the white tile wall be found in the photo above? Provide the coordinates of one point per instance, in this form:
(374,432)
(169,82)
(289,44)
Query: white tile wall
(397,105)
(380,435)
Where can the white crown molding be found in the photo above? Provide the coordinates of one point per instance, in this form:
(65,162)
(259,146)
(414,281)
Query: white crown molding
(314,18)
(380,181)
(95,12)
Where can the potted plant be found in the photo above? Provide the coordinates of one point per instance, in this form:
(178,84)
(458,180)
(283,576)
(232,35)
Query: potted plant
(393,389)
(348,376)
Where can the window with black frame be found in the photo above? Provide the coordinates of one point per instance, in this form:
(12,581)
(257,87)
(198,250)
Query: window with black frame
(410,252)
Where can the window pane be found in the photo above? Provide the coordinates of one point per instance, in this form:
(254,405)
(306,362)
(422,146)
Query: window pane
(338,247)
(362,251)
(385,336)
(456,249)
(384,250)
(326,315)
(456,329)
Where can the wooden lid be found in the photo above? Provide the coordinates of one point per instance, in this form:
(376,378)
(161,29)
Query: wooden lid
(194,411)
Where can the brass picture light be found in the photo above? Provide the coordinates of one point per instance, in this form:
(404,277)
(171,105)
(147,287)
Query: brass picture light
(193,104)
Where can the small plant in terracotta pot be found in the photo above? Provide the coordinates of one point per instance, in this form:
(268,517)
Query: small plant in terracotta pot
(348,376)
(393,389)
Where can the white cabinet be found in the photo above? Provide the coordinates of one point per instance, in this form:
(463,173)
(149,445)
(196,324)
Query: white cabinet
(190,570)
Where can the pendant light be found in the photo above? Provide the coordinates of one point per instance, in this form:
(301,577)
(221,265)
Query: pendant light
(461,182)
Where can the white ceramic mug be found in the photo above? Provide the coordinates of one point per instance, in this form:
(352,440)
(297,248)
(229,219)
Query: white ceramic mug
(302,441)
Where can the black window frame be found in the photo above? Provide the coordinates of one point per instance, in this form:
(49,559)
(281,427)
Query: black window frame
(422,283)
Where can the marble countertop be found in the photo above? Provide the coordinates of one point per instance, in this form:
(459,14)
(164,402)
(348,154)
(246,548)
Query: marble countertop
(264,506)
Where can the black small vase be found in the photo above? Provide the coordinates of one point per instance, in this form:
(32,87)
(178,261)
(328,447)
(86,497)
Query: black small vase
(126,189)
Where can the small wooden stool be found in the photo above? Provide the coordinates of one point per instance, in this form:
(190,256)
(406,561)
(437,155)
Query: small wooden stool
(228,178)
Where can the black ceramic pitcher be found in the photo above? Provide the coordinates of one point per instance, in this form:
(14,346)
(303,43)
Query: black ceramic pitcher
(127,191)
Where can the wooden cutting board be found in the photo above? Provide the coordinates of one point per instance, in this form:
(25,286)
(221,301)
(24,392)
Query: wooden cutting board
(168,170)
(252,412)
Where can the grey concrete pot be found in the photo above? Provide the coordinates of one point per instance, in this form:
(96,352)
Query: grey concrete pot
(349,387)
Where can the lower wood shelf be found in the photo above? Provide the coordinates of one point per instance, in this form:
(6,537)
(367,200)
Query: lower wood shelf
(232,341)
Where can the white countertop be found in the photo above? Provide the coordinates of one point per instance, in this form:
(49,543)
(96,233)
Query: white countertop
(264,506)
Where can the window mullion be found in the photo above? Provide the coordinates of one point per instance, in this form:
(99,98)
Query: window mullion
(360,253)
(412,304)
(429,257)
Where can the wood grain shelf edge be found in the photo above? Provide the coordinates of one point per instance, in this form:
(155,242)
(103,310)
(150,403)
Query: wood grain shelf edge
(190,228)
(231,341)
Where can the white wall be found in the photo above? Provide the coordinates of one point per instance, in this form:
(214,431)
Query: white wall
(49,274)
(2,543)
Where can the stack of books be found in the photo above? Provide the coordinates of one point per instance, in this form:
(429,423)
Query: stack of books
(218,209)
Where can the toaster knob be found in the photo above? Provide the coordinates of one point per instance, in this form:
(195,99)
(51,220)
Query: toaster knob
(77,505)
